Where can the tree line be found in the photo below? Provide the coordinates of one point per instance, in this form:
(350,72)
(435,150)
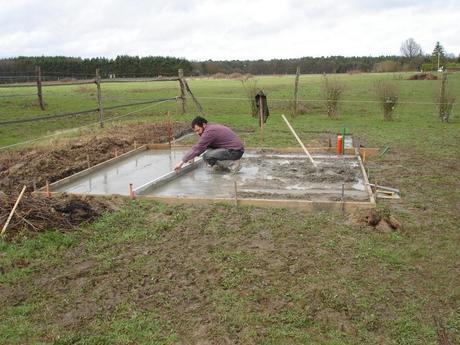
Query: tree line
(124,66)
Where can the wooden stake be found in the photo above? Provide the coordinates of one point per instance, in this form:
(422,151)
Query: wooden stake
(135,144)
(169,128)
(39,88)
(116,152)
(12,211)
(300,141)
(47,189)
(88,161)
(132,196)
(343,197)
(364,156)
(99,98)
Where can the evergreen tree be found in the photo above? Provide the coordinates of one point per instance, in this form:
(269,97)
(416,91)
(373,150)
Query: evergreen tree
(438,55)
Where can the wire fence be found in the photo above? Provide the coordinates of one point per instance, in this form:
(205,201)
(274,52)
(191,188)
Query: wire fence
(56,116)
(80,127)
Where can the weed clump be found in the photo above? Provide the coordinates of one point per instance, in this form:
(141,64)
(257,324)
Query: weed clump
(250,88)
(445,100)
(332,91)
(388,96)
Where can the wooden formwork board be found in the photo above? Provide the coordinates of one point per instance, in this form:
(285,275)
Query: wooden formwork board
(368,152)
(304,205)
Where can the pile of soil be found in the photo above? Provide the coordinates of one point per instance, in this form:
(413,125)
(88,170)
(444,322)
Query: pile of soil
(37,213)
(423,76)
(379,220)
(33,166)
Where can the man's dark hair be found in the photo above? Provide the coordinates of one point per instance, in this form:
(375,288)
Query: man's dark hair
(199,121)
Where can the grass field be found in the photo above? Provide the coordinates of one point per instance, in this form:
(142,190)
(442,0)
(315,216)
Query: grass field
(157,274)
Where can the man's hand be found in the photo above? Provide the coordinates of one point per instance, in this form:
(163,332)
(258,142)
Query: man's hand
(178,166)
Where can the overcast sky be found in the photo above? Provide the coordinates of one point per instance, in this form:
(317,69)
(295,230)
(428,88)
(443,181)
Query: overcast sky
(225,30)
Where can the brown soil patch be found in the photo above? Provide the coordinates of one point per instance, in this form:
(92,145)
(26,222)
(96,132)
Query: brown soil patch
(423,76)
(38,213)
(379,219)
(85,89)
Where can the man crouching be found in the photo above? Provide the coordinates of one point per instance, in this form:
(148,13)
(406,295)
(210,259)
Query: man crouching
(220,144)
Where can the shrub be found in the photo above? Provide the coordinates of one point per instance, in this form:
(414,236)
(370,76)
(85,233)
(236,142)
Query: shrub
(250,88)
(387,95)
(332,91)
(446,100)
(387,66)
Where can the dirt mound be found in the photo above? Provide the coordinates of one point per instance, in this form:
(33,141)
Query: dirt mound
(53,162)
(423,76)
(36,213)
(380,220)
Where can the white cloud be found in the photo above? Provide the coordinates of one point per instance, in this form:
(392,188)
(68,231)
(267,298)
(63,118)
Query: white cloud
(212,29)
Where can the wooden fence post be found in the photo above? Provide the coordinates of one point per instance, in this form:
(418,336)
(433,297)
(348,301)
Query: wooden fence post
(99,98)
(39,87)
(296,90)
(182,89)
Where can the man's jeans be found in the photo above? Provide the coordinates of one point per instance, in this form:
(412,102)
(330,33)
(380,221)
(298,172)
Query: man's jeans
(211,156)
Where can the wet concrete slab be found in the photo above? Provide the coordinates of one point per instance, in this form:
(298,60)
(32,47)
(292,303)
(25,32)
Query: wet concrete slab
(274,176)
(114,179)
(263,175)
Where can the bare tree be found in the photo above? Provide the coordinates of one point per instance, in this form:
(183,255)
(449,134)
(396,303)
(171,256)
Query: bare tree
(410,49)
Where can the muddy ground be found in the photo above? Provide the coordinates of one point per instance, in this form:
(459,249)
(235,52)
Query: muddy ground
(33,166)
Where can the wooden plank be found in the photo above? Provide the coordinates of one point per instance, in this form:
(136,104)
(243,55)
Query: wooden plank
(300,141)
(304,205)
(324,149)
(366,180)
(14,209)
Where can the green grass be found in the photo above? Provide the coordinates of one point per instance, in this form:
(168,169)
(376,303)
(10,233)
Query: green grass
(155,273)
